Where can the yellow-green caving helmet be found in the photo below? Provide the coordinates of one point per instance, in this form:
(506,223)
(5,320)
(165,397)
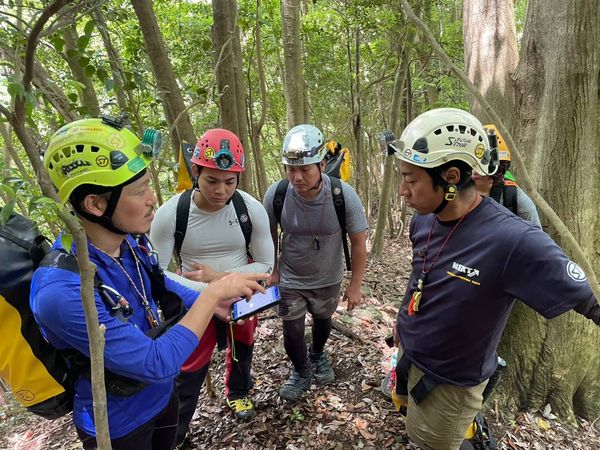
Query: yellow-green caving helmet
(99,152)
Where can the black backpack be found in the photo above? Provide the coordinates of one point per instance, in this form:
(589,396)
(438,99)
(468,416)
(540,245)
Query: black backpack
(337,194)
(41,376)
(183,214)
(507,190)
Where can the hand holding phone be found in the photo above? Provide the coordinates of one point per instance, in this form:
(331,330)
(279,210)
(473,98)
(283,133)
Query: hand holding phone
(243,309)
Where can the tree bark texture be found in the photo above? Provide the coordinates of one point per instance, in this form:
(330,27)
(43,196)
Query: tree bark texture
(557,361)
(261,174)
(72,55)
(294,86)
(394,125)
(229,77)
(166,82)
(491,54)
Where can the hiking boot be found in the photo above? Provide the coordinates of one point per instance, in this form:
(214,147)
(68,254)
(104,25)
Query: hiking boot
(324,374)
(296,385)
(242,408)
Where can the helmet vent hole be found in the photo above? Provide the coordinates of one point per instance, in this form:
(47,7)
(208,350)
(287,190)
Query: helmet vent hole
(473,132)
(95,149)
(79,148)
(438,131)
(462,129)
(66,151)
(450,128)
(50,166)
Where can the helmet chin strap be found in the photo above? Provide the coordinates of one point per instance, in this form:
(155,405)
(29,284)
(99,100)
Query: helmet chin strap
(450,191)
(319,181)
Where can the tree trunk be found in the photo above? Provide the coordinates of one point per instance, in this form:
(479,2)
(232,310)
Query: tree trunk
(247,183)
(491,54)
(554,82)
(89,100)
(557,81)
(261,176)
(228,72)
(395,114)
(116,66)
(294,87)
(166,83)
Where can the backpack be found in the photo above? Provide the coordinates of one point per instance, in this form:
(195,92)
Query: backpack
(337,161)
(184,172)
(36,372)
(183,214)
(507,190)
(479,435)
(41,376)
(337,194)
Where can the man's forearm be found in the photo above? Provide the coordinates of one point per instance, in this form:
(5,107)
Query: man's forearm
(359,264)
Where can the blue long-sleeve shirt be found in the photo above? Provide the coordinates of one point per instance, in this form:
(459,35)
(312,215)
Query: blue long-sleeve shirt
(57,307)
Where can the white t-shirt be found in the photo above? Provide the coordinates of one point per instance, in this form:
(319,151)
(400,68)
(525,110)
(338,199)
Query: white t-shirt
(214,238)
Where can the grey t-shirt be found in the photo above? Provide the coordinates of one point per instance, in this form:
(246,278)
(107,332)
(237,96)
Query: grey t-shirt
(301,264)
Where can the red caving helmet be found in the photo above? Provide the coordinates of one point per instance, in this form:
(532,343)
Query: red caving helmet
(219,149)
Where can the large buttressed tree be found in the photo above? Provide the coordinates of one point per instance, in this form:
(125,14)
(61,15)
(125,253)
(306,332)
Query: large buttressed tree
(551,102)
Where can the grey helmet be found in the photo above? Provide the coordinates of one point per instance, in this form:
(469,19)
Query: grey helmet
(303,145)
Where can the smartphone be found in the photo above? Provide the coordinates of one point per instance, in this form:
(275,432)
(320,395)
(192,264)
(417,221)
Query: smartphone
(258,302)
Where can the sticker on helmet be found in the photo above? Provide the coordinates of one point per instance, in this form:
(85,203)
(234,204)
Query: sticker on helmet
(102,161)
(575,272)
(115,141)
(68,168)
(417,158)
(407,154)
(457,141)
(479,151)
(209,153)
(136,164)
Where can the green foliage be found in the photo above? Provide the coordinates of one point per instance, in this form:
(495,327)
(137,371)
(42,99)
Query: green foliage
(332,33)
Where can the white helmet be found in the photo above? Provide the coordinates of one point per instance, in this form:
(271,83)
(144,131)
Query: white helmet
(303,145)
(446,134)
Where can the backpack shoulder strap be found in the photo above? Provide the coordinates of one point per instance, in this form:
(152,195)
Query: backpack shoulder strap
(116,304)
(241,211)
(279,198)
(181,221)
(509,197)
(337,194)
(496,192)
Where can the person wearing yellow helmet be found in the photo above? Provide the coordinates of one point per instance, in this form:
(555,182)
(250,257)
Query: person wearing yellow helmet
(503,187)
(465,276)
(152,323)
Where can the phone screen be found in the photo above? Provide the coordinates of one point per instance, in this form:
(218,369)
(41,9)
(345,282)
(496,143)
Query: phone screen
(258,302)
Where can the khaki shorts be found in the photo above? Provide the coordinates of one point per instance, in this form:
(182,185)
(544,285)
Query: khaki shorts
(321,303)
(441,420)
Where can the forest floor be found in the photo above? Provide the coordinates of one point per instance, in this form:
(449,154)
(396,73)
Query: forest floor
(351,413)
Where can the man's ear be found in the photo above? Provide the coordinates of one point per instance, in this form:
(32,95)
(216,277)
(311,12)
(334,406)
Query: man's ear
(322,165)
(195,171)
(451,175)
(94,204)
